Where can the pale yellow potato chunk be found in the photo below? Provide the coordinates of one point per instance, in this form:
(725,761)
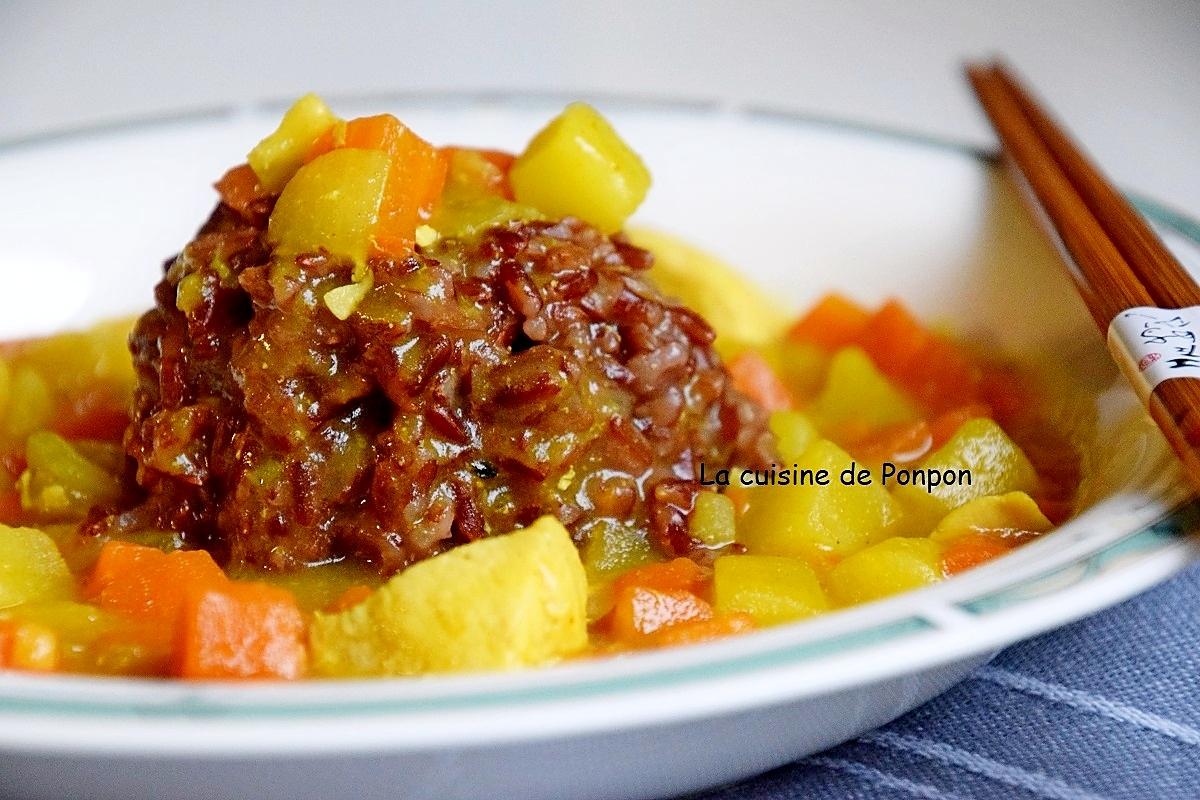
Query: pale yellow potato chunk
(794,433)
(1013,511)
(31,568)
(889,567)
(771,589)
(857,393)
(332,202)
(277,157)
(498,603)
(578,166)
(996,464)
(817,521)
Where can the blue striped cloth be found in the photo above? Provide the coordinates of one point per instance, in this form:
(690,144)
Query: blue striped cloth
(1106,708)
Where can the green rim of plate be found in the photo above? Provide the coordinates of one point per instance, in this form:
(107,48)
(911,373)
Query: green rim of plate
(1171,527)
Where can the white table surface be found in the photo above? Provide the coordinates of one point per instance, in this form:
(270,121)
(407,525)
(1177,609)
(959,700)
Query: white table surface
(1124,74)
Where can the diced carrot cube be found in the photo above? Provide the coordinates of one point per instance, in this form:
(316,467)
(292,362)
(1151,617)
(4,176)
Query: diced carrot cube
(28,646)
(942,377)
(740,495)
(639,611)
(7,628)
(150,585)
(703,630)
(833,323)
(971,550)
(241,631)
(893,337)
(325,142)
(753,377)
(680,574)
(900,444)
(415,180)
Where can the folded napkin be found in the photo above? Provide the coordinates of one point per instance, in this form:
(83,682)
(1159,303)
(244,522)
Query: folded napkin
(1106,708)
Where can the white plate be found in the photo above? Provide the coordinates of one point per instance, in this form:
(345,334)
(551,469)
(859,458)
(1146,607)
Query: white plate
(804,206)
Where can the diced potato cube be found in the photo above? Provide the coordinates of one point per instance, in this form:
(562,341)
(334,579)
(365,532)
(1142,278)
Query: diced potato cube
(77,624)
(712,520)
(498,603)
(578,166)
(996,464)
(72,363)
(858,396)
(771,589)
(30,405)
(613,548)
(794,433)
(31,568)
(742,314)
(815,521)
(803,366)
(887,568)
(60,480)
(276,158)
(91,639)
(1014,511)
(332,202)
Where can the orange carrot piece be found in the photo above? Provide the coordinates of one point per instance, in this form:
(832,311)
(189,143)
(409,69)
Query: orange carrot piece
(28,646)
(702,630)
(349,599)
(900,444)
(240,190)
(415,180)
(639,611)
(240,631)
(325,142)
(753,377)
(833,323)
(148,584)
(942,377)
(680,574)
(893,337)
(971,550)
(740,495)
(7,630)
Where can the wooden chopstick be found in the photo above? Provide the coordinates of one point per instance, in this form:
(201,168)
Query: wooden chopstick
(1117,261)
(1154,265)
